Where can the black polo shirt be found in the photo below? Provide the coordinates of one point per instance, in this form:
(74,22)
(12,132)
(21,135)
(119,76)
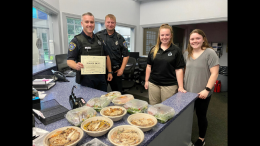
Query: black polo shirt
(115,45)
(164,65)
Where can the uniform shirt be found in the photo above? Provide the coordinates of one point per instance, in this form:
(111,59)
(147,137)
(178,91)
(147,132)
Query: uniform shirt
(197,71)
(74,48)
(74,53)
(164,65)
(115,45)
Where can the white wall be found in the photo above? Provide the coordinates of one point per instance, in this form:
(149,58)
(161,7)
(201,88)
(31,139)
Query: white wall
(53,3)
(146,14)
(155,12)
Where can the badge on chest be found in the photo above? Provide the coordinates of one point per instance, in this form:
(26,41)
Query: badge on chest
(99,43)
(87,48)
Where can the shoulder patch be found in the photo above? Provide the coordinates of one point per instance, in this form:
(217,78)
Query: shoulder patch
(125,44)
(72,46)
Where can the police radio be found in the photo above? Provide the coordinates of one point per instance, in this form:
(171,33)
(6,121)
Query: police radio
(74,101)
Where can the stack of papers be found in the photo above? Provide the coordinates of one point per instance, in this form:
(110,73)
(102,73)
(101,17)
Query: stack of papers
(42,81)
(43,84)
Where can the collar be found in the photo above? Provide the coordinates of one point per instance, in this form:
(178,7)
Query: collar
(105,32)
(169,49)
(86,36)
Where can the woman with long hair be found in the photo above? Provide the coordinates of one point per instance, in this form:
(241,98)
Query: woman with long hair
(164,71)
(200,75)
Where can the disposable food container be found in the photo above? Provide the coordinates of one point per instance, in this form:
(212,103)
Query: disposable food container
(97,133)
(54,132)
(136,106)
(111,95)
(94,142)
(78,115)
(144,121)
(97,103)
(121,100)
(161,112)
(116,117)
(118,133)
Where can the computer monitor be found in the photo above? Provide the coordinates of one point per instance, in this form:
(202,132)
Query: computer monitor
(61,62)
(134,55)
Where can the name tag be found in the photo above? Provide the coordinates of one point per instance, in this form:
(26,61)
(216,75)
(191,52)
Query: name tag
(87,47)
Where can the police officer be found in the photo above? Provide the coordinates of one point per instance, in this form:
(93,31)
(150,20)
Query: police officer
(88,43)
(118,51)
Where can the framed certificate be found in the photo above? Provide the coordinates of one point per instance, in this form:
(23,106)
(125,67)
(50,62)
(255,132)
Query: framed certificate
(93,64)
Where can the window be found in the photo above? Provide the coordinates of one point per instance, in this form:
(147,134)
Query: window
(74,27)
(126,33)
(41,34)
(150,38)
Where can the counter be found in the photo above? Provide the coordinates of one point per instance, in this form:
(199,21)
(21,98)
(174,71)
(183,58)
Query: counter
(176,131)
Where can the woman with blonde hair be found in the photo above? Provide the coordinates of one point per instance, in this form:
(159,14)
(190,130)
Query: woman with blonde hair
(201,72)
(164,71)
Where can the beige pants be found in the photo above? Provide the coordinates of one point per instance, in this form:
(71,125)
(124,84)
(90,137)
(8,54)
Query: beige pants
(158,94)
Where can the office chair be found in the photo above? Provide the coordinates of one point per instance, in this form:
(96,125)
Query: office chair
(128,75)
(142,63)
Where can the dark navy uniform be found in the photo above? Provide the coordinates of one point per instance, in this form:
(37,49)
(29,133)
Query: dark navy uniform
(82,44)
(116,47)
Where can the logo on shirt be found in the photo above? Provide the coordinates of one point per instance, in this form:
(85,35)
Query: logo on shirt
(116,42)
(125,44)
(170,54)
(99,42)
(72,46)
(104,42)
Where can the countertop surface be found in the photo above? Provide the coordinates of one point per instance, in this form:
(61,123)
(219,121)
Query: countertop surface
(62,90)
(42,67)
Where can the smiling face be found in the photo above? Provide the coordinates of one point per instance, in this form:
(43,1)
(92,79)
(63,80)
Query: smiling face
(88,24)
(165,36)
(196,41)
(110,24)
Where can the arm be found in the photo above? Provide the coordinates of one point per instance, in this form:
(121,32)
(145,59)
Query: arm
(147,75)
(72,64)
(121,70)
(212,79)
(109,76)
(179,75)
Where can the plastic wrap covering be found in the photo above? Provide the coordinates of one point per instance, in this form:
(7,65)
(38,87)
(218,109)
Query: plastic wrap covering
(121,100)
(136,106)
(111,95)
(98,103)
(161,112)
(78,115)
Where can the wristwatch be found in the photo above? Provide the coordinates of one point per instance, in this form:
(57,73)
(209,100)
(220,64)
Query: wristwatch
(110,72)
(208,89)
